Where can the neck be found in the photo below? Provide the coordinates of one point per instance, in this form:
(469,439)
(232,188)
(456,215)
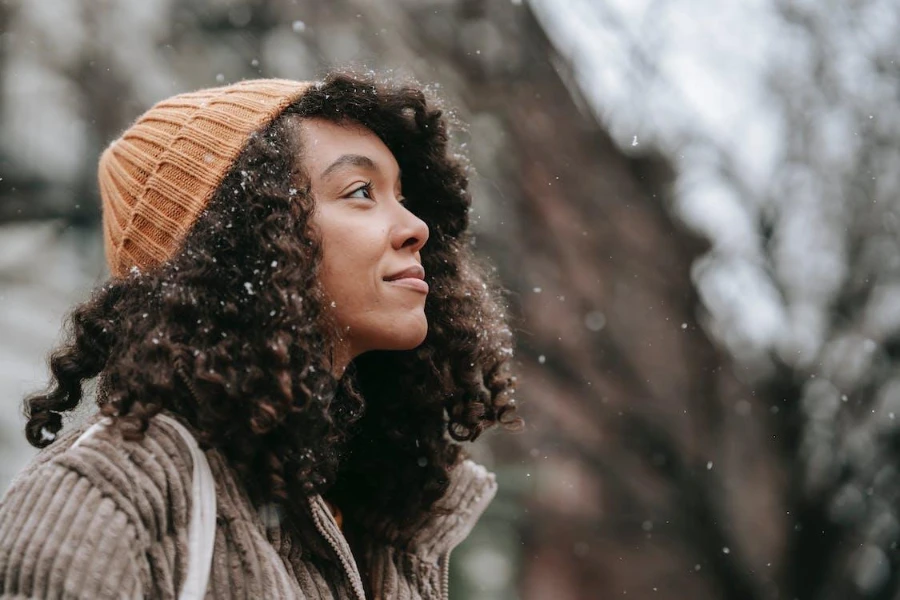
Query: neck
(340,358)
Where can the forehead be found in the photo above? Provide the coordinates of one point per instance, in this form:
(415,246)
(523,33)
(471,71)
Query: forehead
(325,141)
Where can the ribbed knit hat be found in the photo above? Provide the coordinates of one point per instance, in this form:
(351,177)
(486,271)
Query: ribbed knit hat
(157,178)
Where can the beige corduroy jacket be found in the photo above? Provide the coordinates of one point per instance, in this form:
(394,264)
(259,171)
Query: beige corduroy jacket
(108,519)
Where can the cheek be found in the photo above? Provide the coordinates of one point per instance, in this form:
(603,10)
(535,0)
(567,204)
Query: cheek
(350,271)
(354,246)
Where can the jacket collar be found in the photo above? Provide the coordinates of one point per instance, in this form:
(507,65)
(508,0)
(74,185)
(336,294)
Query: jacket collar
(471,489)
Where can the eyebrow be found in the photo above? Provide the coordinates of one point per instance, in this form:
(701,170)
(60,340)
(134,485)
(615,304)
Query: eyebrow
(350,160)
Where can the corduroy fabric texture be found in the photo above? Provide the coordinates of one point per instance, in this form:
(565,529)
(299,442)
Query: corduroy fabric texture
(159,175)
(109,519)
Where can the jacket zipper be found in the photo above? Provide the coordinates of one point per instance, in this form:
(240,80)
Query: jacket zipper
(445,576)
(350,570)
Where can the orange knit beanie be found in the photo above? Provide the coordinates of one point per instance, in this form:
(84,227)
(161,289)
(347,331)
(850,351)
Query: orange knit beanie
(157,178)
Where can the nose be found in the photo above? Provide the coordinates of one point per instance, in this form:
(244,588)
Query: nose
(411,232)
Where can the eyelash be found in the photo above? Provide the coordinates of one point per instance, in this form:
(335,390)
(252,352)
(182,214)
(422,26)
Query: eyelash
(367,187)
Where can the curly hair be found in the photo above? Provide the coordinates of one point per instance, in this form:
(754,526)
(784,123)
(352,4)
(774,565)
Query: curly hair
(234,333)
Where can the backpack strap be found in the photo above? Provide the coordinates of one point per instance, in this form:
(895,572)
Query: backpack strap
(202,526)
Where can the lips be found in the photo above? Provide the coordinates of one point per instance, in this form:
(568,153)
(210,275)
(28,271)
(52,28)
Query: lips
(412,277)
(413,272)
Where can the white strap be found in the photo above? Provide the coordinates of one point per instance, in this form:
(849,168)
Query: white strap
(102,423)
(202,528)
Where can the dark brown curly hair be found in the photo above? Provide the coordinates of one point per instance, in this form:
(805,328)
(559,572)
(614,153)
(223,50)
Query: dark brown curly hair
(233,333)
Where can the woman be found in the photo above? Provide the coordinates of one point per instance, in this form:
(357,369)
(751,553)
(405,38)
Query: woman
(292,288)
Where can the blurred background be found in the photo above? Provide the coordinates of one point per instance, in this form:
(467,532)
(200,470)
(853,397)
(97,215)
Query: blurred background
(693,204)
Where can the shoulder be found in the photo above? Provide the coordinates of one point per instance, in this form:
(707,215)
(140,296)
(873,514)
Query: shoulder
(79,520)
(149,480)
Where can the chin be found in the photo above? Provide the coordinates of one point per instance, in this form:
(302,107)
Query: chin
(392,332)
(409,342)
(408,336)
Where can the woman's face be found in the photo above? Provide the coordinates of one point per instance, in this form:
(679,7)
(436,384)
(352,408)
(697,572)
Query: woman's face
(371,267)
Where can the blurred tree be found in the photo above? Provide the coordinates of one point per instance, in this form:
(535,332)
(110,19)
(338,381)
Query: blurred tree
(786,137)
(830,215)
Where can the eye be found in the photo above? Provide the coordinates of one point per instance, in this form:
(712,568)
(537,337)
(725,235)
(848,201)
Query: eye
(363,191)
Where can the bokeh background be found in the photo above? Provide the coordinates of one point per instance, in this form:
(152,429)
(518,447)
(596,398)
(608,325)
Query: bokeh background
(694,206)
